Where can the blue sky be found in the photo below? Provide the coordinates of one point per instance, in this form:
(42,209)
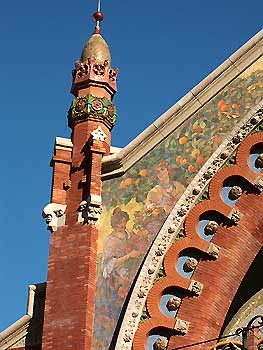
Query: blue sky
(162,49)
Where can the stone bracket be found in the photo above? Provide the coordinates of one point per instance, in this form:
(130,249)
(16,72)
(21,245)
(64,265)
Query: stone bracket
(181,326)
(90,210)
(213,250)
(234,216)
(195,287)
(55,215)
(258,183)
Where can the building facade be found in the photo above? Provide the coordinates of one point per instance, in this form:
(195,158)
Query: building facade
(157,245)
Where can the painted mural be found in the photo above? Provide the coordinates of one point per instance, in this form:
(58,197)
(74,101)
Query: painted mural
(136,205)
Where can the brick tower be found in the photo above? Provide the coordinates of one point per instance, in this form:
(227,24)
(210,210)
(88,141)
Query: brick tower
(76,199)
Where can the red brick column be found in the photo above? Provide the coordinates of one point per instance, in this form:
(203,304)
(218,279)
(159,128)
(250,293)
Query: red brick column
(71,286)
(61,163)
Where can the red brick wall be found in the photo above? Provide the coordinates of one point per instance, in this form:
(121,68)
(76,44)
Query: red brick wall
(70,288)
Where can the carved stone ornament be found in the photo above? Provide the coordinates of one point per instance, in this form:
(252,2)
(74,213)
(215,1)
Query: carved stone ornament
(92,107)
(160,343)
(98,134)
(54,215)
(80,105)
(128,336)
(234,216)
(90,210)
(190,264)
(92,71)
(208,174)
(235,192)
(211,228)
(213,250)
(181,326)
(183,210)
(259,183)
(224,155)
(99,69)
(259,161)
(160,250)
(195,287)
(260,346)
(173,303)
(172,228)
(142,292)
(151,270)
(196,190)
(113,74)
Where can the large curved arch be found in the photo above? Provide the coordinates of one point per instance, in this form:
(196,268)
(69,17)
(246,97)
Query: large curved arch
(131,331)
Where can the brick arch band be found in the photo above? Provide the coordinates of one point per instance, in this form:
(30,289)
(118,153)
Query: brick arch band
(223,260)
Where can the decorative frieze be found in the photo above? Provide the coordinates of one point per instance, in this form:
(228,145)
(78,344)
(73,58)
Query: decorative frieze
(94,73)
(93,108)
(55,215)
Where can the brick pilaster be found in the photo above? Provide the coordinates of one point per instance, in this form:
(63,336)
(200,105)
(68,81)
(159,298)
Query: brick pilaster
(61,163)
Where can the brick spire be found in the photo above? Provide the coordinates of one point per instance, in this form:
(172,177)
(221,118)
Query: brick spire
(76,200)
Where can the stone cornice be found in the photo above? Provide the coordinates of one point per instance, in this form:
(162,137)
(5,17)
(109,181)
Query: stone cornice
(19,329)
(117,164)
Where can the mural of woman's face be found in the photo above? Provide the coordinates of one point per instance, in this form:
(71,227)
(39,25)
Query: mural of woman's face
(122,224)
(162,174)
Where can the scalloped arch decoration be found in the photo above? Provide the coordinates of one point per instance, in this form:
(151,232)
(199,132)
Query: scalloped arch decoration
(165,250)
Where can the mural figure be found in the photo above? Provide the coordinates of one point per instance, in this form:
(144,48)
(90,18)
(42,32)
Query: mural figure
(121,257)
(167,192)
(118,256)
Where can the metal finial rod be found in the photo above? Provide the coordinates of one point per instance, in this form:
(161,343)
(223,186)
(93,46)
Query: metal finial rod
(98,16)
(98,22)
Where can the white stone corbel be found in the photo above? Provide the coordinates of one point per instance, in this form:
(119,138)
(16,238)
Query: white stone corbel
(181,326)
(195,287)
(90,210)
(55,215)
(258,183)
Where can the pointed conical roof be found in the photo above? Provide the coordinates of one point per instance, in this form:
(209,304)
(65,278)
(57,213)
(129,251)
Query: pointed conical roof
(96,47)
